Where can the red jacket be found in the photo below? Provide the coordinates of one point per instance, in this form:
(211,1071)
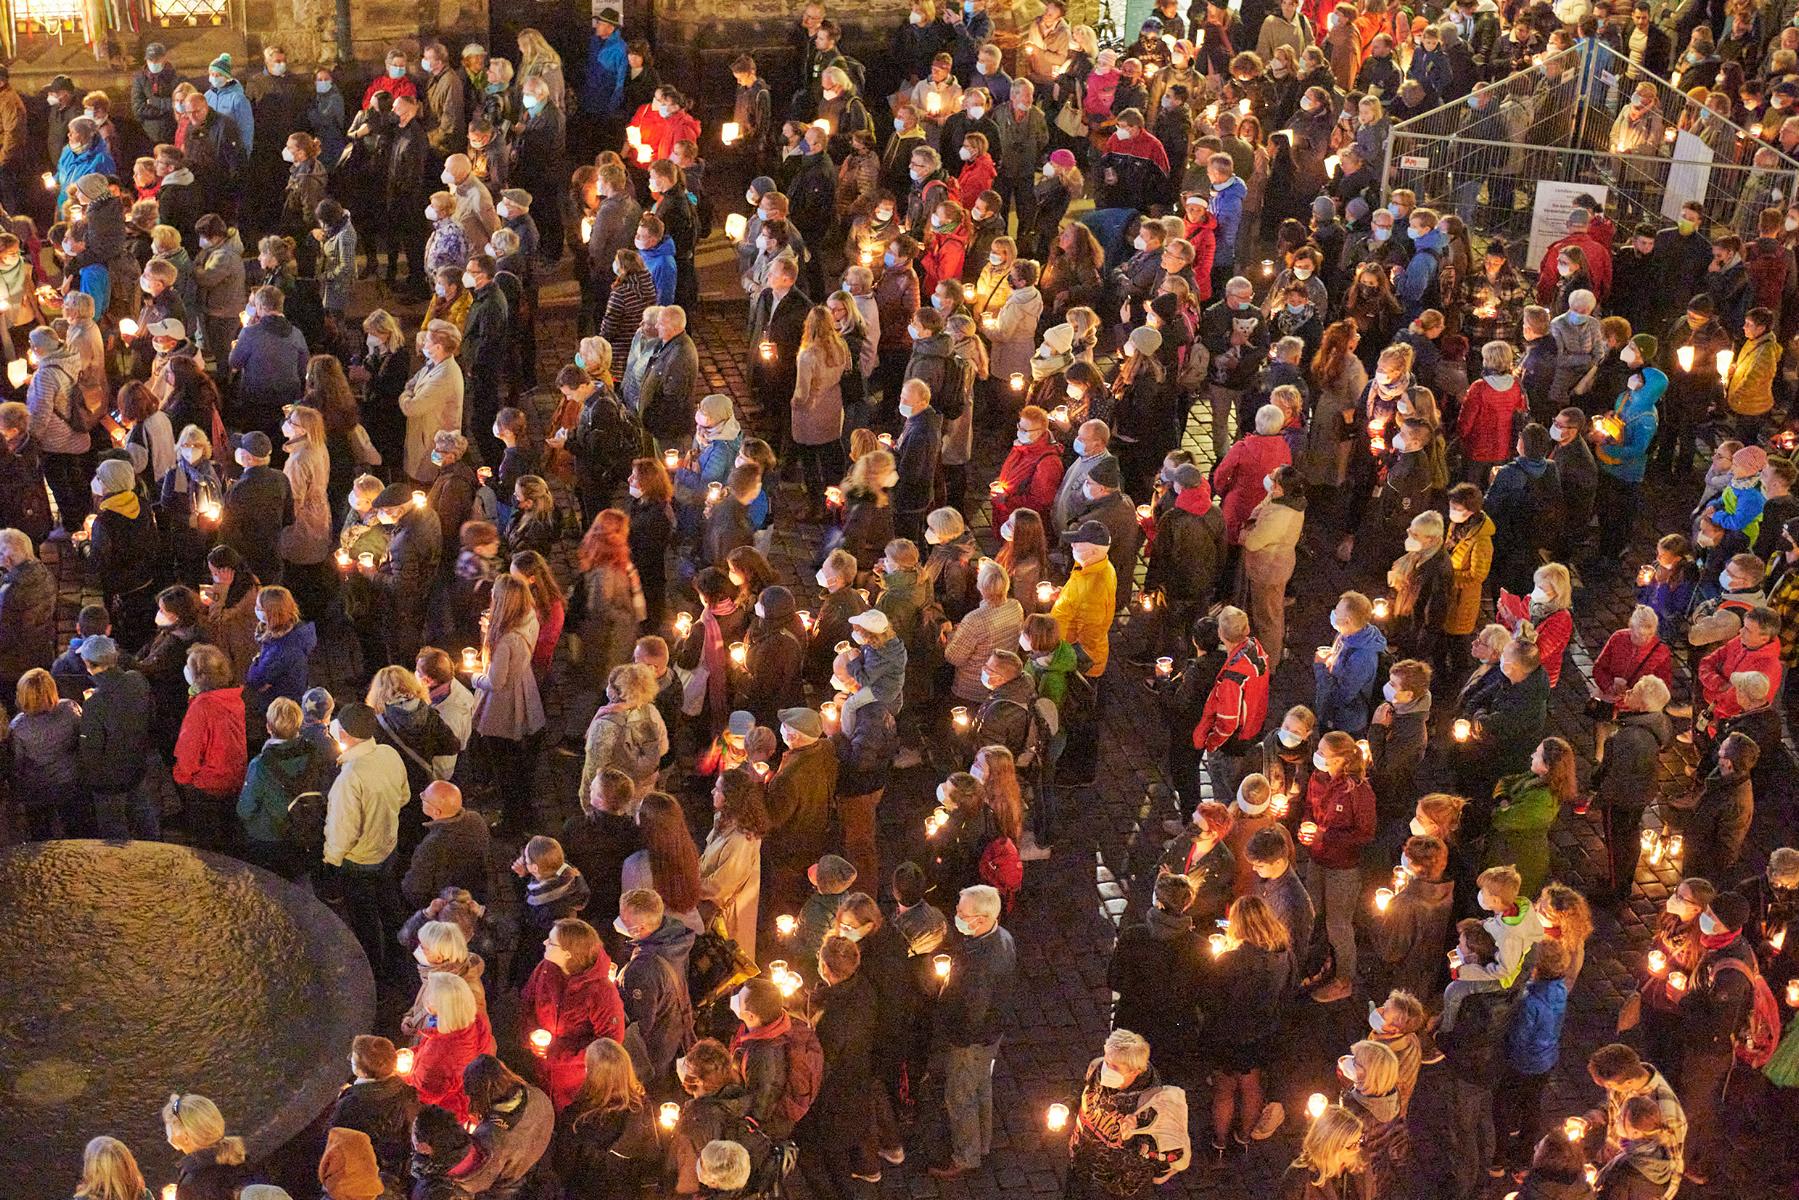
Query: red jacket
(1716,668)
(1204,237)
(1145,145)
(210,752)
(1343,810)
(942,258)
(976,177)
(1485,421)
(1031,474)
(403,86)
(438,1062)
(1553,634)
(577,1011)
(1238,479)
(1623,662)
(660,133)
(1237,705)
(1599,265)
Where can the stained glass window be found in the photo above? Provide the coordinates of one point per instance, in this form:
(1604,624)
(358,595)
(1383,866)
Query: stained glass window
(182,14)
(47,18)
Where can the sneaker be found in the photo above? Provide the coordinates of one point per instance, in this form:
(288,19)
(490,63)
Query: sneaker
(1030,851)
(1679,712)
(1274,1115)
(1497,1171)
(895,1156)
(1335,990)
(907,758)
(875,1178)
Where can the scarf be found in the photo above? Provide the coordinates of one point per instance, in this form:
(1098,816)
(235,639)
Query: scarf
(123,503)
(540,892)
(1652,1160)
(1717,941)
(1195,500)
(715,658)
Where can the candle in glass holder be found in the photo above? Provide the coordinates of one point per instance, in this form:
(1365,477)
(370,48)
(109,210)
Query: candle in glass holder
(740,654)
(671,459)
(683,624)
(49,182)
(1382,606)
(996,489)
(1145,512)
(1684,356)
(168,1191)
(668,1114)
(471,660)
(17,371)
(834,496)
(1056,1118)
(365,560)
(736,225)
(959,715)
(1216,943)
(886,440)
(828,710)
(729,131)
(1279,803)
(1308,832)
(1046,592)
(1164,667)
(777,968)
(785,924)
(789,983)
(1677,981)
(933,103)
(1382,898)
(540,1042)
(1575,1128)
(1147,602)
(343,560)
(868,258)
(1316,1104)
(761,769)
(1059,414)
(633,136)
(1267,267)
(844,647)
(1777,939)
(767,351)
(403,1060)
(418,499)
(1793,993)
(940,964)
(1592,1174)
(1367,751)
(1018,381)
(968,293)
(128,328)
(1462,730)
(714,493)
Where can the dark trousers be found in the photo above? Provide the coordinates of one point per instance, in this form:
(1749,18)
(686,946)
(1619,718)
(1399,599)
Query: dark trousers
(1703,1073)
(821,466)
(1471,1135)
(374,912)
(826,1163)
(211,818)
(1617,501)
(1518,1107)
(506,767)
(67,475)
(1674,441)
(890,372)
(126,814)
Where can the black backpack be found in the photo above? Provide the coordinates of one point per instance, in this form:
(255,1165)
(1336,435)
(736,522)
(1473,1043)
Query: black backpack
(958,383)
(305,794)
(610,438)
(770,1161)
(1476,1047)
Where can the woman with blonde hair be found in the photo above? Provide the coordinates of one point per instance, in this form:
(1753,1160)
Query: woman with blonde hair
(443,946)
(212,1163)
(306,543)
(386,366)
(535,524)
(1546,610)
(1331,1164)
(627,731)
(406,720)
(508,708)
(109,1171)
(454,1033)
(605,1142)
(1255,979)
(818,407)
(46,731)
(211,753)
(537,59)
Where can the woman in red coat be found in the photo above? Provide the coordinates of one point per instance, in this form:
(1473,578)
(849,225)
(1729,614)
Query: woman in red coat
(1547,609)
(1239,479)
(1202,231)
(1630,654)
(978,171)
(210,754)
(571,997)
(454,1034)
(1339,821)
(1032,471)
(945,247)
(1487,423)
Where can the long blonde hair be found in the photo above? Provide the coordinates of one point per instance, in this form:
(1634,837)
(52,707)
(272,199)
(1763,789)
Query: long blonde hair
(1253,922)
(192,1122)
(1333,1145)
(821,334)
(109,1172)
(1004,797)
(535,51)
(611,1084)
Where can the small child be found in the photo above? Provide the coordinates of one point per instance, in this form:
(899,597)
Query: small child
(1716,547)
(94,278)
(1396,1023)
(1252,813)
(1672,577)
(1473,967)
(439,1144)
(316,709)
(1533,1043)
(1514,925)
(1739,505)
(759,454)
(1717,475)
(447,246)
(165,244)
(831,876)
(69,671)
(479,564)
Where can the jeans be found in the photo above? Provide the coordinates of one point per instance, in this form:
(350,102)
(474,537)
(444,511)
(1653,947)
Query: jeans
(1335,891)
(1225,767)
(968,1098)
(1471,1135)
(856,817)
(129,814)
(1224,402)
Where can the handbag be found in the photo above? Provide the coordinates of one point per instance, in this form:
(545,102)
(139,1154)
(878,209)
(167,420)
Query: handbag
(717,965)
(1584,384)
(1068,117)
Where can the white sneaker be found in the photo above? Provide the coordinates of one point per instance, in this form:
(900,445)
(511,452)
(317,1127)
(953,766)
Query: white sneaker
(896,1156)
(907,758)
(1274,1115)
(1029,850)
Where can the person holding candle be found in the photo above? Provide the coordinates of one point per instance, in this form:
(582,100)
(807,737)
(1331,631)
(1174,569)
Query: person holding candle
(1340,818)
(968,1026)
(1408,938)
(830,624)
(1333,1160)
(605,1140)
(379,1102)
(1713,1012)
(212,1164)
(1345,670)
(1625,1077)
(209,759)
(1774,926)
(1528,803)
(718,1103)
(571,995)
(513,1124)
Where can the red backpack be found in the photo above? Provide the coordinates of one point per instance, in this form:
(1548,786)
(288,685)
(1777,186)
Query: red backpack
(805,1070)
(1001,869)
(1760,1035)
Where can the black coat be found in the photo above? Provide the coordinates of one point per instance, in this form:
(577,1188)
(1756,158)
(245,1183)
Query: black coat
(125,551)
(597,844)
(1160,958)
(453,854)
(201,1176)
(256,509)
(411,565)
(383,1109)
(847,1026)
(917,457)
(27,618)
(115,731)
(24,501)
(604,1154)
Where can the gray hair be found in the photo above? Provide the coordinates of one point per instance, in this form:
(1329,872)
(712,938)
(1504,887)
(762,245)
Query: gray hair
(676,314)
(1290,348)
(1269,419)
(983,899)
(1496,358)
(15,545)
(1752,686)
(1428,524)
(1233,624)
(1650,693)
(1643,615)
(992,581)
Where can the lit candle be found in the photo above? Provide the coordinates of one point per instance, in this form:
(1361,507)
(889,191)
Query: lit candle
(1382,898)
(767,351)
(736,225)
(968,292)
(668,1114)
(777,968)
(933,103)
(1267,267)
(996,489)
(1308,832)
(1462,730)
(418,499)
(168,1191)
(1645,575)
(365,560)
(844,647)
(1793,993)
(761,770)
(683,624)
(671,458)
(1592,1174)
(868,258)
(471,660)
(1056,1118)
(740,654)
(484,473)
(343,560)
(1677,981)
(729,131)
(540,1042)
(1401,877)
(785,925)
(1778,939)
(1243,107)
(1575,1128)
(1366,750)
(1725,358)
(128,328)
(805,620)
(1164,667)
(940,964)
(1145,512)
(633,136)
(828,710)
(834,496)
(1675,845)
(789,983)
(1331,163)
(1382,606)
(1647,841)
(959,715)
(1279,803)
(714,493)
(1148,602)
(1684,356)
(1315,1105)
(1046,592)
(17,371)
(1018,381)
(1216,943)
(886,440)
(403,1060)
(1059,414)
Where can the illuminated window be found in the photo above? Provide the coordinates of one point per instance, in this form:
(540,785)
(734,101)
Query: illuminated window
(47,18)
(179,14)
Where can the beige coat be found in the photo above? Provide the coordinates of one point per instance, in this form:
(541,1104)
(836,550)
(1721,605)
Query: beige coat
(507,704)
(308,539)
(1269,539)
(731,878)
(432,400)
(817,398)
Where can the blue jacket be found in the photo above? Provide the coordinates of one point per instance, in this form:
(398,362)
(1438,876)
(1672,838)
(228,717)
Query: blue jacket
(882,670)
(1625,458)
(715,463)
(1534,1041)
(326,116)
(1740,508)
(280,668)
(1431,68)
(72,165)
(1344,694)
(603,83)
(1227,208)
(660,259)
(272,356)
(1427,259)
(230,101)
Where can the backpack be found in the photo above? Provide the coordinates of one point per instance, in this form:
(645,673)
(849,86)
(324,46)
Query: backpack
(1756,1042)
(305,806)
(610,438)
(855,70)
(770,1161)
(958,385)
(1002,869)
(637,754)
(1476,1048)
(805,1070)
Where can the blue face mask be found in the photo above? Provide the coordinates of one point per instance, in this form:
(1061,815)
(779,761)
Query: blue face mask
(1575,318)
(581,361)
(494,89)
(1296,309)
(1080,447)
(321,86)
(396,72)
(1395,210)
(890,259)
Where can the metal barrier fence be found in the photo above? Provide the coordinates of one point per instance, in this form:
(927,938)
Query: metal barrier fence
(1565,121)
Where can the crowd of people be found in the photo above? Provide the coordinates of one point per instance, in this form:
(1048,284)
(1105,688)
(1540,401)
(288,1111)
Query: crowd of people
(1058,360)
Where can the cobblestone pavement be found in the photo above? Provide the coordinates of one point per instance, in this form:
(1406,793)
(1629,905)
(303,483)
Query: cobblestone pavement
(1105,861)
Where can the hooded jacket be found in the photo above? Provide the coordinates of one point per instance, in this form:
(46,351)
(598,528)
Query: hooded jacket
(652,984)
(1029,478)
(1625,458)
(1343,809)
(1345,691)
(271,782)
(210,752)
(1187,549)
(1151,961)
(1085,609)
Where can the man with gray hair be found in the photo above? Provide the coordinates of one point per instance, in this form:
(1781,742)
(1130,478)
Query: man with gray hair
(27,610)
(665,397)
(1235,334)
(115,742)
(1092,445)
(971,1004)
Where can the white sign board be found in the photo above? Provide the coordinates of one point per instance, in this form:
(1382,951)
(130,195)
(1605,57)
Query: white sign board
(1688,174)
(1549,214)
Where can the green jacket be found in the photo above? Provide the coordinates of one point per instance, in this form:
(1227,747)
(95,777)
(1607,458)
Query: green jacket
(1052,676)
(1521,829)
(275,777)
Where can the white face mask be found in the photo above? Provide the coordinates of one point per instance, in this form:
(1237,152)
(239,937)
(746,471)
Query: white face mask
(1419,828)
(1413,544)
(192,454)
(1389,692)
(976,112)
(1108,1077)
(1539,595)
(1319,762)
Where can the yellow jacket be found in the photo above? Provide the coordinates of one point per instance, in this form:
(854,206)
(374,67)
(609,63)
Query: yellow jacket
(1751,389)
(1084,610)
